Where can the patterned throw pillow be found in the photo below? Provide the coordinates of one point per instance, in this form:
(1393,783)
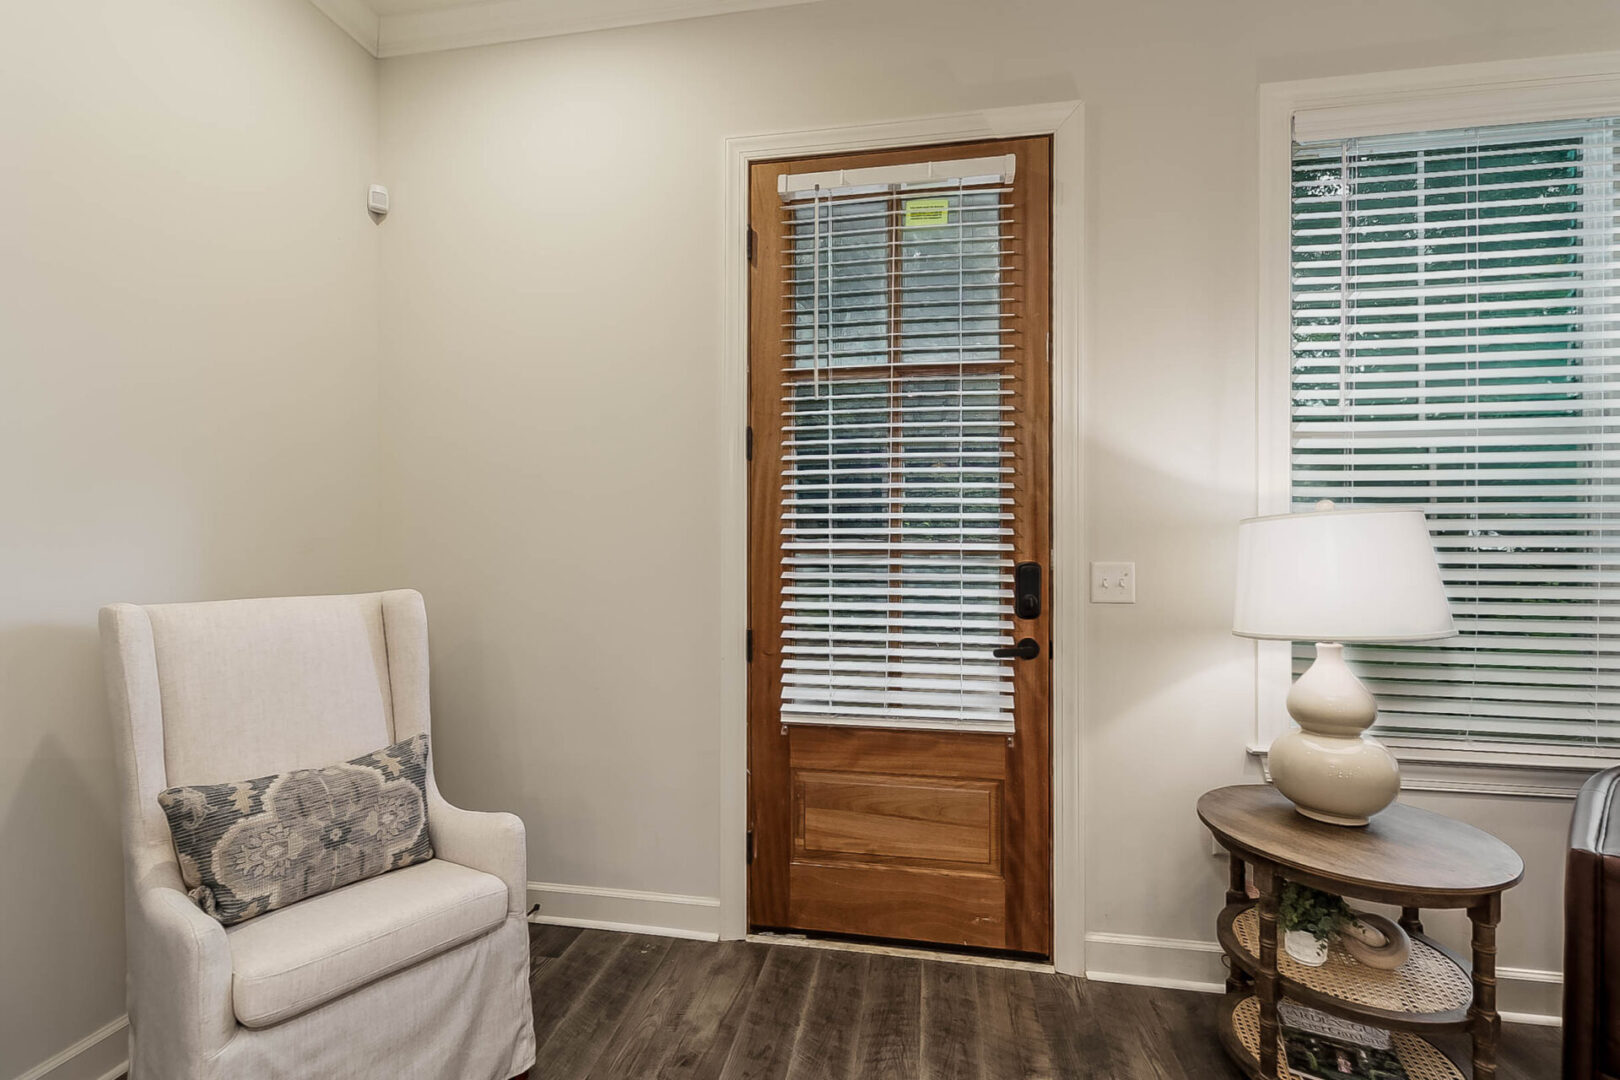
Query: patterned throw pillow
(257,845)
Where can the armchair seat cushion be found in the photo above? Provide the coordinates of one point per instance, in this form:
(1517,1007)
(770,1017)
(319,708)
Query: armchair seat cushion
(289,961)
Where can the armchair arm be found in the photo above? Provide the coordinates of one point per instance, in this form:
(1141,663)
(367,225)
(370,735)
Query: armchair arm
(1591,882)
(180,976)
(491,842)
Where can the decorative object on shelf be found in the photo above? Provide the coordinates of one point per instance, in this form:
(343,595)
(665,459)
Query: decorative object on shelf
(1421,1059)
(1305,947)
(1332,576)
(1375,941)
(1322,1047)
(1310,919)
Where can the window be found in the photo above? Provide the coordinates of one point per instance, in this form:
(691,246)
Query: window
(1455,341)
(893,416)
(897,514)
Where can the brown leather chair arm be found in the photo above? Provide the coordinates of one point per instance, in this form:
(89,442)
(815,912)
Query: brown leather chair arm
(1591,953)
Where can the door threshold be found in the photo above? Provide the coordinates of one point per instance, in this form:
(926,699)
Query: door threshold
(914,952)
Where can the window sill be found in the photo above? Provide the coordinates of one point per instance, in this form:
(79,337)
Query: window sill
(1528,773)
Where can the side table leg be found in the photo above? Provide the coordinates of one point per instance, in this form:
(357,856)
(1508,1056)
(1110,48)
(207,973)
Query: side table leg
(1485,1024)
(1270,886)
(1237,892)
(1411,921)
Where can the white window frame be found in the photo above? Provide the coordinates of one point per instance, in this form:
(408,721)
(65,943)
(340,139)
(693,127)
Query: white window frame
(1422,99)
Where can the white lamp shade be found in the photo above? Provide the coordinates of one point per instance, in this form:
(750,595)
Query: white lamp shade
(1339,575)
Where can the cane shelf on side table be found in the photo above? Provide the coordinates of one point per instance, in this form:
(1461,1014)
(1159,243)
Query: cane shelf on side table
(1406,857)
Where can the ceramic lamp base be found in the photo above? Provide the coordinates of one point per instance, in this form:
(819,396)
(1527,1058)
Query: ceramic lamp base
(1328,768)
(1342,781)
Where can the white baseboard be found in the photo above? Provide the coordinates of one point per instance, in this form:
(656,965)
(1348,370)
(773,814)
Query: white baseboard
(627,910)
(1525,995)
(101,1055)
(1174,963)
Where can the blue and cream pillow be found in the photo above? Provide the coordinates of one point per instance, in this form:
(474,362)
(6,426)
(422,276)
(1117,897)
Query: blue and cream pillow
(257,845)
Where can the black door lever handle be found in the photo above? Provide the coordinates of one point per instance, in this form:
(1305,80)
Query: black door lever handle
(1027,649)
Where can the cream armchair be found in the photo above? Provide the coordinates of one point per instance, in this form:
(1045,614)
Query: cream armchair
(419,973)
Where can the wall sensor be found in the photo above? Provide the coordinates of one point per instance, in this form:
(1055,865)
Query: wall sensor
(377,200)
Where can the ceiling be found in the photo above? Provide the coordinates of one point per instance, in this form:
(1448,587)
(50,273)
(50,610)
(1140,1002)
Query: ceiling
(399,27)
(402,7)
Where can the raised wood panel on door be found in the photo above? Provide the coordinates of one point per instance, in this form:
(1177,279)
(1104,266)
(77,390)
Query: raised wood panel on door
(920,835)
(898,834)
(921,820)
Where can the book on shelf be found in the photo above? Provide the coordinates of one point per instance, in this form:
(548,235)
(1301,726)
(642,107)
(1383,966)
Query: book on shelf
(1322,1047)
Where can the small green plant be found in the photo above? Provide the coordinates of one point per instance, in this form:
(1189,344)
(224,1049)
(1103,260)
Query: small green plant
(1318,913)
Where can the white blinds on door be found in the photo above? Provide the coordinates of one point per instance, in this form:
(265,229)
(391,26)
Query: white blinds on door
(1457,347)
(896,472)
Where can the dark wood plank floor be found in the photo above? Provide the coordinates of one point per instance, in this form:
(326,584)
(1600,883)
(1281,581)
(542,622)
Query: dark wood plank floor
(609,1006)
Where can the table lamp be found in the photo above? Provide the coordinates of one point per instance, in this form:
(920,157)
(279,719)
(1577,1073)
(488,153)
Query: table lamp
(1334,576)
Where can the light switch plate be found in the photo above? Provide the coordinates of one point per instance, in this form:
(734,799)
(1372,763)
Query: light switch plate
(1113,583)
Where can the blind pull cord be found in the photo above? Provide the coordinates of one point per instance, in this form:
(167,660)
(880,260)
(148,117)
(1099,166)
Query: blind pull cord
(961,395)
(1345,203)
(815,312)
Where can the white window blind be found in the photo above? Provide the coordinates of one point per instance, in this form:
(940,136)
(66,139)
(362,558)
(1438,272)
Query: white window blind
(897,458)
(1456,347)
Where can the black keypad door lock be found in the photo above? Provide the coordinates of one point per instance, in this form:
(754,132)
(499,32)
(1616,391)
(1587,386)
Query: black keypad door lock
(1027,590)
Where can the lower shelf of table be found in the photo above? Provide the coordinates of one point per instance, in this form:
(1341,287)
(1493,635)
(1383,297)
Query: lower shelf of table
(1430,992)
(1240,1034)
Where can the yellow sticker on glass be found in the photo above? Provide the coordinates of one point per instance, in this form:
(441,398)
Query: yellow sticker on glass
(927,213)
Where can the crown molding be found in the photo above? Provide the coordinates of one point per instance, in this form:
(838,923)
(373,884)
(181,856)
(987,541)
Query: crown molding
(494,22)
(356,18)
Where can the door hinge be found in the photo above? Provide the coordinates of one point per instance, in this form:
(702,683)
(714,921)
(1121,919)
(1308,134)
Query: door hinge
(750,647)
(750,845)
(753,243)
(748,450)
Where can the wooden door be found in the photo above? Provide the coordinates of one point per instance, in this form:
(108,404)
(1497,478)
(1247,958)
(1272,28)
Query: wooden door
(899,496)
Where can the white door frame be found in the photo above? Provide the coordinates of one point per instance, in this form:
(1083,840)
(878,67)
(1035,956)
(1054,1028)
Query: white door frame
(1065,122)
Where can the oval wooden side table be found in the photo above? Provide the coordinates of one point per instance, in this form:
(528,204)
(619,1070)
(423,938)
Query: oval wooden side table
(1406,857)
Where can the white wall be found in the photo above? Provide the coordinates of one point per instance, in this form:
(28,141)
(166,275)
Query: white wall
(188,405)
(551,327)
